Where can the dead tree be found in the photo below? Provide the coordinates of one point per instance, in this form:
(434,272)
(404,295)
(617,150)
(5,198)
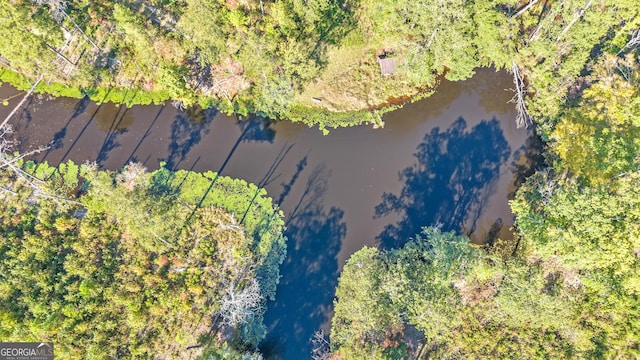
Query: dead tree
(546,186)
(7,160)
(576,16)
(542,23)
(632,43)
(523,118)
(231,226)
(82,31)
(37,185)
(320,344)
(525,8)
(132,176)
(10,162)
(24,99)
(240,305)
(60,55)
(179,105)
(58,10)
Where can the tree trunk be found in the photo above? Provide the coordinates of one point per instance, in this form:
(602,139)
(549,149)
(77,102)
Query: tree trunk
(530,4)
(24,99)
(523,118)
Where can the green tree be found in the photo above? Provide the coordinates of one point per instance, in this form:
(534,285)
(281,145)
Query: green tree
(599,138)
(131,267)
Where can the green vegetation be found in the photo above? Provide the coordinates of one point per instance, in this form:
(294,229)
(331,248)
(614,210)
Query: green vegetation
(599,138)
(567,286)
(302,60)
(135,264)
(462,302)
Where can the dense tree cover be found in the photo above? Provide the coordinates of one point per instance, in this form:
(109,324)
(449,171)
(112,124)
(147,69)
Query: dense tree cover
(593,233)
(559,42)
(553,300)
(584,211)
(463,302)
(568,286)
(284,58)
(599,137)
(135,264)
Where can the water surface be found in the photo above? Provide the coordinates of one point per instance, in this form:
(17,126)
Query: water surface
(448,160)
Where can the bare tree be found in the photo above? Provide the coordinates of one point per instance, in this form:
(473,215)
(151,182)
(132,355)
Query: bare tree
(523,118)
(577,15)
(525,8)
(132,176)
(544,22)
(320,344)
(9,161)
(24,99)
(546,186)
(240,305)
(58,10)
(56,7)
(179,105)
(233,225)
(6,144)
(632,43)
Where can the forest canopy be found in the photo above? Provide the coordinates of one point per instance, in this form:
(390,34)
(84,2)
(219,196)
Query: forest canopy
(135,264)
(314,61)
(152,262)
(567,286)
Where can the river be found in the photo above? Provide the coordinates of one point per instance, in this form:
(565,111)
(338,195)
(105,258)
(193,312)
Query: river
(451,159)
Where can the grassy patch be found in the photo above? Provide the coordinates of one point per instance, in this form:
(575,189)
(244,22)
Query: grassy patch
(352,80)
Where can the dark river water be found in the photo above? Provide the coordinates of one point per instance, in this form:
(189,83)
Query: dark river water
(451,159)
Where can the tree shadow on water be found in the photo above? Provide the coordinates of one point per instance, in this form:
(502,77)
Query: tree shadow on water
(448,182)
(57,142)
(309,273)
(257,129)
(186,131)
(114,126)
(132,156)
(528,159)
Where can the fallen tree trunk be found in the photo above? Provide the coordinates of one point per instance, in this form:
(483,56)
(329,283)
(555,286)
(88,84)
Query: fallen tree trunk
(24,99)
(523,118)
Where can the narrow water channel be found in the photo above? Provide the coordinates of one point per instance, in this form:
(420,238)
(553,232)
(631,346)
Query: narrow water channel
(450,159)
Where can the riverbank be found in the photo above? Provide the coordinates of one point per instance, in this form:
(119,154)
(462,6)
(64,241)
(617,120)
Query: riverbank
(130,97)
(307,65)
(329,187)
(328,64)
(566,286)
(135,263)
